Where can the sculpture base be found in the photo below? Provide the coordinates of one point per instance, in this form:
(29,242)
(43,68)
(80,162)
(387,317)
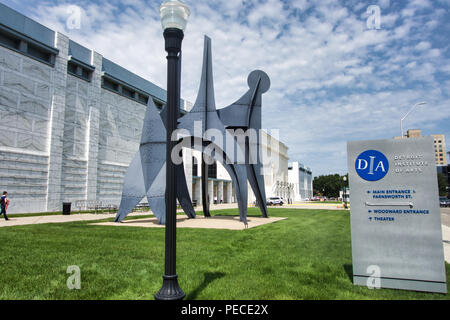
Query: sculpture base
(170,289)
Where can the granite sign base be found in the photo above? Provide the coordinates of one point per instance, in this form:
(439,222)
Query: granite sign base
(404,284)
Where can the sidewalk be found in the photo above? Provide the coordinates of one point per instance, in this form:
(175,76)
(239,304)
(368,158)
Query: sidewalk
(215,222)
(222,206)
(74,216)
(17,221)
(312,205)
(446,240)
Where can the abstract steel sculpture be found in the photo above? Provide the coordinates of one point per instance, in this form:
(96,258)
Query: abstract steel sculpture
(145,176)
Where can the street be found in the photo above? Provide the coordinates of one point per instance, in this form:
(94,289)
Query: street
(445,214)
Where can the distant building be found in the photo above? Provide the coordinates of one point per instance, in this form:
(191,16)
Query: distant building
(439,149)
(344,194)
(275,157)
(445,170)
(439,145)
(301,178)
(413,133)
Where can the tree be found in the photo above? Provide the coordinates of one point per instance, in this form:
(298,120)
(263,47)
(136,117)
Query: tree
(329,185)
(442,184)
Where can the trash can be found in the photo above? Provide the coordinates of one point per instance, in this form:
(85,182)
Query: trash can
(66,208)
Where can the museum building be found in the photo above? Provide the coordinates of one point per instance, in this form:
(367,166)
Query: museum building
(71,121)
(301,179)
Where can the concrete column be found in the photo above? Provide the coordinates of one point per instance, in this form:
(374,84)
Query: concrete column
(251,195)
(94,93)
(187,162)
(229,192)
(225,192)
(92,154)
(220,192)
(305,186)
(198,191)
(233,194)
(211,191)
(56,127)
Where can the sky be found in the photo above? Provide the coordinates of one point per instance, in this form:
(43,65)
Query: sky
(339,70)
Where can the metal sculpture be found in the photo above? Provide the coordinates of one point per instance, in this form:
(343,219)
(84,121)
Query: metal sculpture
(145,176)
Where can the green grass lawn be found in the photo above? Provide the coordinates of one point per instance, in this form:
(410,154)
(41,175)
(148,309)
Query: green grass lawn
(307,256)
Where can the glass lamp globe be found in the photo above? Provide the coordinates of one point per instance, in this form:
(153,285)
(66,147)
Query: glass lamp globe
(174,14)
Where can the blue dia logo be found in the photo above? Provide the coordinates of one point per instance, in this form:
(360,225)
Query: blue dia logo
(372,165)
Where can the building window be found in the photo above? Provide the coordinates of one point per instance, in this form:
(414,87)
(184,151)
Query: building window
(78,70)
(158,104)
(27,46)
(128,92)
(143,99)
(194,167)
(39,53)
(72,68)
(212,170)
(85,74)
(9,41)
(110,85)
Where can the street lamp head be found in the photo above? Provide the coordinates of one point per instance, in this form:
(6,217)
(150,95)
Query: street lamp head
(174,14)
(401,120)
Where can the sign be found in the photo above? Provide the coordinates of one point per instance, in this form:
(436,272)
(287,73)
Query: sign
(372,165)
(395,215)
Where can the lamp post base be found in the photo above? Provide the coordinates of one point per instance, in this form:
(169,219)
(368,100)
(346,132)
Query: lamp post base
(170,289)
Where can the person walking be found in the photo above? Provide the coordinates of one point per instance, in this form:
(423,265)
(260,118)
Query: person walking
(4,204)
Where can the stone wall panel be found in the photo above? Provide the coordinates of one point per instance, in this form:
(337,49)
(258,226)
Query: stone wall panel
(36,70)
(8,138)
(18,83)
(8,60)
(8,99)
(43,91)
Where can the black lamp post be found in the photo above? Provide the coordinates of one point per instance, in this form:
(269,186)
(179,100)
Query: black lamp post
(174,15)
(344,192)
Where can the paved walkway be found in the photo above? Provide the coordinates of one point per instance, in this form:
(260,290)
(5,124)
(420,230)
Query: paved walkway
(17,221)
(74,216)
(215,222)
(446,240)
(311,205)
(445,214)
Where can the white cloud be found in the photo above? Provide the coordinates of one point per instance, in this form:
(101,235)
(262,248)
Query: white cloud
(332,80)
(420,3)
(423,45)
(384,4)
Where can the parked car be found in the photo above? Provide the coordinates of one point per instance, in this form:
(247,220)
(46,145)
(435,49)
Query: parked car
(444,201)
(273,201)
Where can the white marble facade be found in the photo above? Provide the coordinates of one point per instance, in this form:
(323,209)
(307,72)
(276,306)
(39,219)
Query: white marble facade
(27,88)
(301,179)
(63,139)
(275,168)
